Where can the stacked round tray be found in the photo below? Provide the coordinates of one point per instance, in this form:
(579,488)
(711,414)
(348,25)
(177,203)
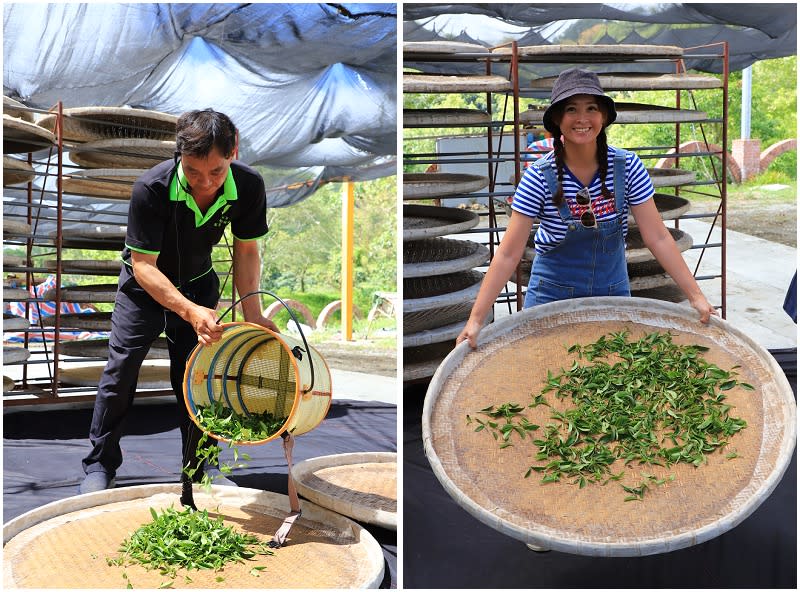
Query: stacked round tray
(439,283)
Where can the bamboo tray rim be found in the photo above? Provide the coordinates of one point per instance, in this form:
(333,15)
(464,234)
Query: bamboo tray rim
(365,513)
(670,541)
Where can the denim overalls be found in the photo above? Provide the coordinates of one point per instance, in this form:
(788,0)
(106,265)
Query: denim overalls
(589,261)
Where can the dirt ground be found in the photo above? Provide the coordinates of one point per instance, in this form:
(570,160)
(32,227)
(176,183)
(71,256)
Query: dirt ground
(774,222)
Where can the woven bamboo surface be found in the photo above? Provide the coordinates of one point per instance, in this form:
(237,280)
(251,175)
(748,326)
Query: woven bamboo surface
(14,108)
(65,544)
(14,294)
(13,261)
(123,153)
(91,293)
(589,52)
(670,177)
(14,323)
(643,81)
(410,48)
(15,353)
(15,226)
(360,485)
(78,265)
(150,376)
(421,292)
(87,124)
(446,118)
(8,384)
(98,348)
(650,282)
(90,321)
(437,256)
(424,185)
(425,83)
(16,171)
(511,364)
(431,221)
(107,183)
(668,293)
(23,136)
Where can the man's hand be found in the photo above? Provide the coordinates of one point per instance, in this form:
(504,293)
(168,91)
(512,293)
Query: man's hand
(204,322)
(264,322)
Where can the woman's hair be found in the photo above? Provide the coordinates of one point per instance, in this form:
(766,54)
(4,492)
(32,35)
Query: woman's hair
(199,132)
(602,161)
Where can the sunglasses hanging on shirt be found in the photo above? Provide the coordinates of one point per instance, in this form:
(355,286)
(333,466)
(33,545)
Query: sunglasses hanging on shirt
(583,198)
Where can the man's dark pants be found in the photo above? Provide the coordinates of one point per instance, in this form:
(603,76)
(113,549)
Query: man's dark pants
(137,320)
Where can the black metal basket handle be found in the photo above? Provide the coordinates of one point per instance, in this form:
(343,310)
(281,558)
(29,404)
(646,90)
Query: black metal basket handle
(296,350)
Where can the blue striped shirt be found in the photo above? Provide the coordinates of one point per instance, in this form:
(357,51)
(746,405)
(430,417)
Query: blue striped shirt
(533,197)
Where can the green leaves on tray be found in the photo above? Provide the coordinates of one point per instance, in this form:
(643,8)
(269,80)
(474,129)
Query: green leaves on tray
(648,401)
(188,539)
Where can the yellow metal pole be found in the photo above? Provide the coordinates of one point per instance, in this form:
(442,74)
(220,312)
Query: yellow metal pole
(348,206)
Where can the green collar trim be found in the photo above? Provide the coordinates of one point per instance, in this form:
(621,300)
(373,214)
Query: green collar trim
(178,193)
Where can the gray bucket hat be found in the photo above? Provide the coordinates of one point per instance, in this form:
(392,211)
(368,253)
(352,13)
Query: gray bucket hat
(576,82)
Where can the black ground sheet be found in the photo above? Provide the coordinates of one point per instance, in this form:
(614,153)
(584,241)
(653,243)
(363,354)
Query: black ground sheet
(42,453)
(445,547)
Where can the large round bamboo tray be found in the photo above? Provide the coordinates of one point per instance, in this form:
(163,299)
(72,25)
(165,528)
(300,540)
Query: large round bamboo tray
(446,118)
(15,227)
(630,81)
(14,323)
(440,307)
(85,265)
(630,113)
(88,321)
(431,221)
(122,153)
(92,293)
(8,384)
(650,282)
(16,171)
(107,183)
(65,544)
(669,206)
(637,252)
(425,185)
(430,83)
(14,108)
(15,294)
(98,348)
(23,136)
(589,53)
(435,335)
(670,177)
(13,354)
(512,361)
(151,376)
(88,124)
(359,485)
(669,293)
(93,236)
(412,48)
(13,261)
(436,256)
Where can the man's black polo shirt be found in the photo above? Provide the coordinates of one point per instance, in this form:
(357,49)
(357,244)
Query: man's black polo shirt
(164,220)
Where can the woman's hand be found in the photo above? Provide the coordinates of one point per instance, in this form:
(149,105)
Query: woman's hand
(470,333)
(702,306)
